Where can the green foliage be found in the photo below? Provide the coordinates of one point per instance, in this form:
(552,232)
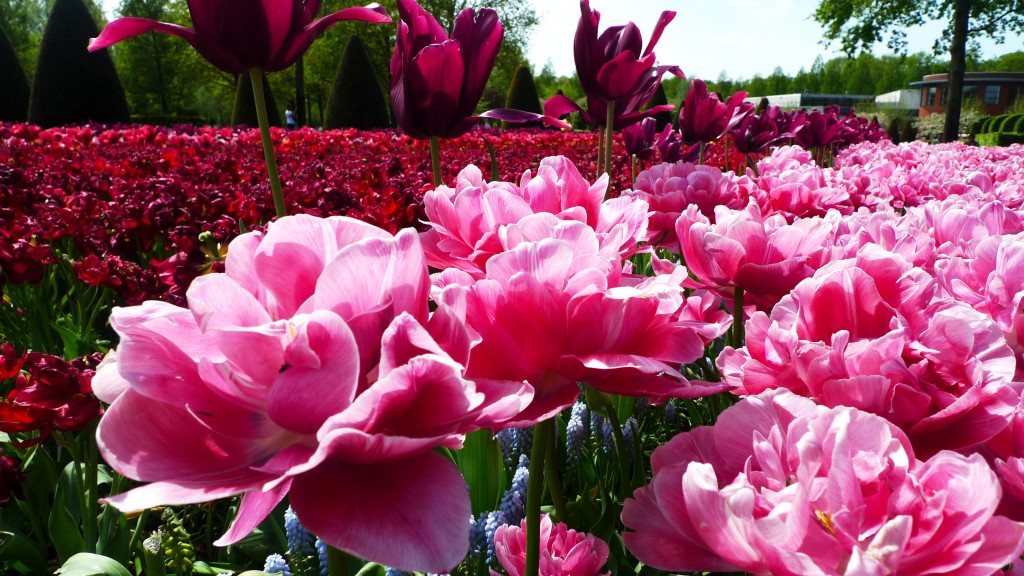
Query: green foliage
(1001,138)
(356,101)
(92,565)
(245,104)
(23,22)
(73,85)
(14,89)
(522,95)
(907,131)
(659,98)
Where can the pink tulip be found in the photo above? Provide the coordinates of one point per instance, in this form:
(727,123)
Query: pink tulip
(310,368)
(781,485)
(872,333)
(766,257)
(554,309)
(670,188)
(797,188)
(563,552)
(466,221)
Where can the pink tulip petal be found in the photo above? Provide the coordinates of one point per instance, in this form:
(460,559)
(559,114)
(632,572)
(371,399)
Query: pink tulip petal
(173,494)
(254,508)
(411,514)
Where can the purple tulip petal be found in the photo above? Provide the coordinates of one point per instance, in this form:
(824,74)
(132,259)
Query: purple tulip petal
(302,41)
(124,28)
(663,21)
(418,507)
(560,105)
(436,74)
(521,116)
(585,47)
(480,36)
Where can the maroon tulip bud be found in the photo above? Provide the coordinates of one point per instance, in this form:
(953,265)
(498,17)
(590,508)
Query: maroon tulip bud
(611,66)
(437,80)
(239,35)
(705,118)
(639,139)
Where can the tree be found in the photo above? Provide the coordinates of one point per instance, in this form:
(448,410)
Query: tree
(23,21)
(859,24)
(356,101)
(14,90)
(522,95)
(149,63)
(71,84)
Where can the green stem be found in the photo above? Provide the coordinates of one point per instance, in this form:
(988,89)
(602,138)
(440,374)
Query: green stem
(737,318)
(632,169)
(554,482)
(435,159)
(620,451)
(535,486)
(609,138)
(90,490)
(337,562)
(600,153)
(140,525)
(700,157)
(268,145)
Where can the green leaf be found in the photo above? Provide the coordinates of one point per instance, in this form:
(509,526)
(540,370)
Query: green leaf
(69,337)
(63,527)
(20,554)
(372,569)
(84,564)
(481,465)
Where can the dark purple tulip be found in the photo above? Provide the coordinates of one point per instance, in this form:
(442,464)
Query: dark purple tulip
(821,129)
(669,145)
(627,112)
(239,35)
(705,118)
(611,66)
(639,139)
(757,132)
(437,80)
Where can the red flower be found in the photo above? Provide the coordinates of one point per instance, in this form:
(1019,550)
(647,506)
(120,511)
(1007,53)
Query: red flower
(53,394)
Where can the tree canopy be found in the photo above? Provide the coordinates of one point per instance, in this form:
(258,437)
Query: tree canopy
(859,24)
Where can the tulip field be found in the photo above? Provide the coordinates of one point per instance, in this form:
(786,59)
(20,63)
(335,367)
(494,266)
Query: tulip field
(880,326)
(756,341)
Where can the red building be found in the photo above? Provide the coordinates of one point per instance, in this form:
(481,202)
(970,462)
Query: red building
(996,90)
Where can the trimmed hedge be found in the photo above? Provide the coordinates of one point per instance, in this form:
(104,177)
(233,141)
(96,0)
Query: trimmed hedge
(1000,138)
(356,99)
(245,104)
(71,84)
(14,88)
(522,95)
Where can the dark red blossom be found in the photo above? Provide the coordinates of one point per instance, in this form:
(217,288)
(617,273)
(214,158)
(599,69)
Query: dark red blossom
(11,479)
(51,394)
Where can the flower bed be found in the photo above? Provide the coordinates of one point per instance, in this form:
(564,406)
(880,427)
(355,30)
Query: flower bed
(867,313)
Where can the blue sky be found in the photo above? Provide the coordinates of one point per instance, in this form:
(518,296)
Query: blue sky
(740,37)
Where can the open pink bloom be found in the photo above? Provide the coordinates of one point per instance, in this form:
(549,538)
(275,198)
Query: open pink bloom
(670,188)
(870,333)
(992,282)
(465,222)
(238,36)
(554,309)
(766,257)
(563,552)
(781,485)
(797,189)
(310,368)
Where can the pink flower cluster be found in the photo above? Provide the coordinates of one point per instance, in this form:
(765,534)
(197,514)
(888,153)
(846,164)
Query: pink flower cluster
(563,552)
(781,485)
(883,323)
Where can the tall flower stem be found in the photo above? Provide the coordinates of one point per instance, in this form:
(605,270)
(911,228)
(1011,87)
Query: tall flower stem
(554,482)
(268,145)
(92,457)
(609,137)
(600,153)
(632,169)
(619,441)
(337,562)
(737,318)
(700,155)
(435,159)
(542,434)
